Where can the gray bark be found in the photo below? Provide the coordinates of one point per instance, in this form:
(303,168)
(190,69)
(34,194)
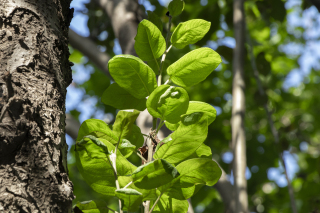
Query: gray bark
(34,74)
(238,110)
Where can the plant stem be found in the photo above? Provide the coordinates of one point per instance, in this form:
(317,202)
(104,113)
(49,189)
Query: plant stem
(127,185)
(154,205)
(160,125)
(114,165)
(142,158)
(165,53)
(154,123)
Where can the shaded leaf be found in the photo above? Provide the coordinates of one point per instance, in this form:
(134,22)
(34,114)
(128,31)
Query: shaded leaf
(152,17)
(176,7)
(171,205)
(126,148)
(120,98)
(154,174)
(146,193)
(130,199)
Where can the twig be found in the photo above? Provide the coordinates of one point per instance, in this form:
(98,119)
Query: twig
(274,131)
(142,158)
(154,205)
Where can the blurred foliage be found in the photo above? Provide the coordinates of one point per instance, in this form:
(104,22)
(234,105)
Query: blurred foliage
(295,110)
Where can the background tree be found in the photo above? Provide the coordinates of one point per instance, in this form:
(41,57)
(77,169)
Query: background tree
(34,74)
(284,46)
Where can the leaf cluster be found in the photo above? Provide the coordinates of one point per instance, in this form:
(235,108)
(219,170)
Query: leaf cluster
(181,163)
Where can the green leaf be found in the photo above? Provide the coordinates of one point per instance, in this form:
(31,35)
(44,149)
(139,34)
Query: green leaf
(197,106)
(194,172)
(135,136)
(124,122)
(95,152)
(94,125)
(109,136)
(119,98)
(165,140)
(176,7)
(186,139)
(150,44)
(97,172)
(154,65)
(146,193)
(172,127)
(198,171)
(91,206)
(130,199)
(154,174)
(168,103)
(189,32)
(194,67)
(126,148)
(175,191)
(133,75)
(171,205)
(152,17)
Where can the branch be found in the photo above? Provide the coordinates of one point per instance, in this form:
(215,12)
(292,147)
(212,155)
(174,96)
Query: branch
(274,130)
(238,110)
(89,49)
(226,190)
(125,17)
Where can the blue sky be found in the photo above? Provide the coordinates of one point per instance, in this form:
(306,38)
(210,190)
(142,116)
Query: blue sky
(310,58)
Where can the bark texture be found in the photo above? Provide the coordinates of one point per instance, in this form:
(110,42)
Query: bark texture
(238,110)
(34,74)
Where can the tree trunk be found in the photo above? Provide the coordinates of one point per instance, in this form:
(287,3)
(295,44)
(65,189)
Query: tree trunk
(238,110)
(34,74)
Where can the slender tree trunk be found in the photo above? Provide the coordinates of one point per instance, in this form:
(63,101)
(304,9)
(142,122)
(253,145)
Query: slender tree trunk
(34,74)
(238,110)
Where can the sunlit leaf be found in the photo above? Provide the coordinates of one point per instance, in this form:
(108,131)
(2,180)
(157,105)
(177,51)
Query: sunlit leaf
(133,75)
(194,67)
(189,32)
(168,103)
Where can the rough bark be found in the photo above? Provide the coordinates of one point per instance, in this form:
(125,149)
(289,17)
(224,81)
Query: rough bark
(34,74)
(238,110)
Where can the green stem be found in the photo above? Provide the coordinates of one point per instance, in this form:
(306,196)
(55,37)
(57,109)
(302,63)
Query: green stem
(160,125)
(114,165)
(154,205)
(142,158)
(154,123)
